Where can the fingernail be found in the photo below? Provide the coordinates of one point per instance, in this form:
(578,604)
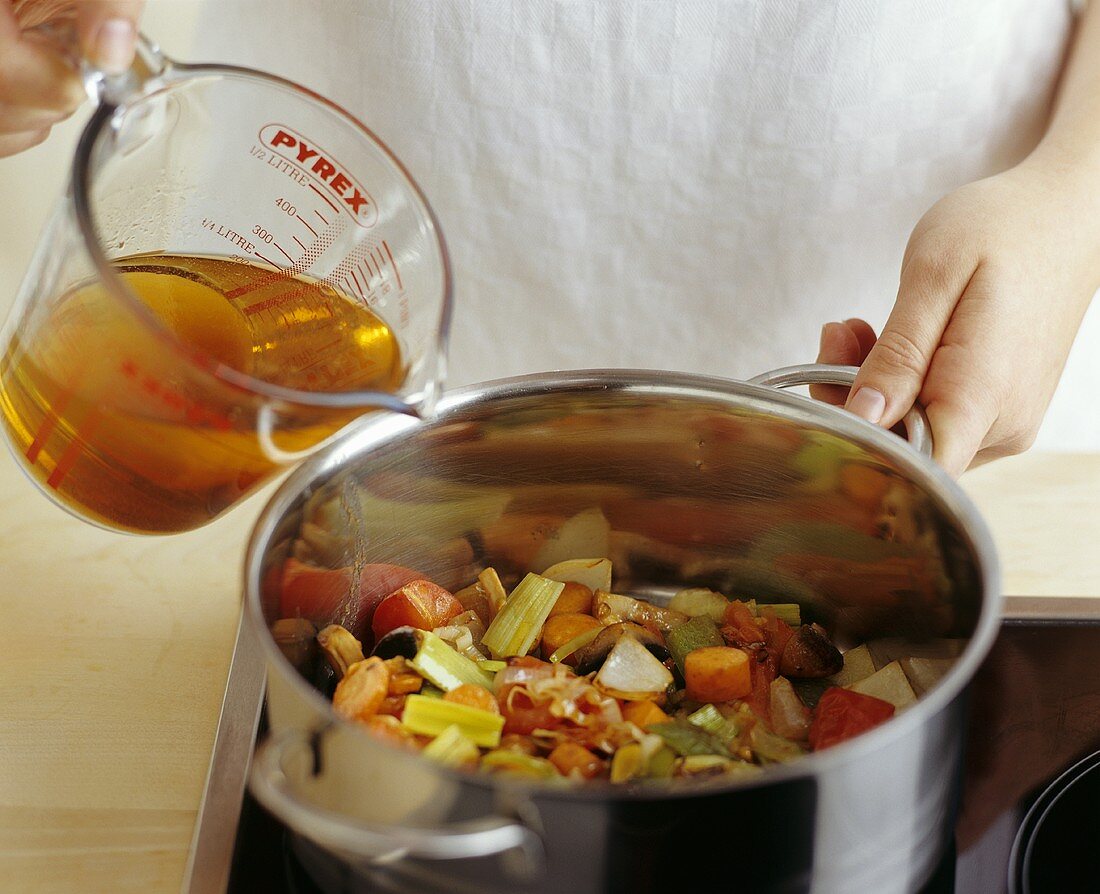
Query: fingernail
(114,46)
(824,335)
(868,404)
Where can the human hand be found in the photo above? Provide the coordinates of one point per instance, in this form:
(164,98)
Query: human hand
(994,283)
(38,85)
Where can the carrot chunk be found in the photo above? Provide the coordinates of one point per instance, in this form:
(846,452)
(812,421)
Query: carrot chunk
(474,697)
(573,599)
(569,756)
(717,674)
(643,713)
(560,629)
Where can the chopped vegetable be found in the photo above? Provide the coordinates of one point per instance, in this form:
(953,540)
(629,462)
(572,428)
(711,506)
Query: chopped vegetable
(889,684)
(739,625)
(790,718)
(842,714)
(644,713)
(474,697)
(700,602)
(593,655)
(606,704)
(698,633)
(474,598)
(360,693)
(790,613)
(686,738)
(561,629)
(432,658)
(516,763)
(706,765)
(771,748)
(403,678)
(430,717)
(628,763)
(494,589)
(857,666)
(662,764)
(631,672)
(451,748)
(613,608)
(419,604)
(519,622)
(571,758)
(594,574)
(575,598)
(574,645)
(717,674)
(808,653)
(709,718)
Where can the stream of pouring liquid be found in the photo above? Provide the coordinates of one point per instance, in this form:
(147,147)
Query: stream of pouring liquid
(128,431)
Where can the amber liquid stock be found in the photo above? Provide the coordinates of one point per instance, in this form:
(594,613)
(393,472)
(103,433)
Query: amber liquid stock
(113,419)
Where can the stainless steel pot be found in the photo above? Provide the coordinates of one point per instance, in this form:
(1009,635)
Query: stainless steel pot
(701,481)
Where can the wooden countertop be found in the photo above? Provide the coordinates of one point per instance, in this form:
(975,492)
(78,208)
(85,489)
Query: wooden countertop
(114,652)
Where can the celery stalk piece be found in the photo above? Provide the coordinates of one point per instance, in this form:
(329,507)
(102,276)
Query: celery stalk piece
(695,634)
(519,621)
(790,613)
(431,716)
(575,644)
(451,748)
(491,666)
(438,663)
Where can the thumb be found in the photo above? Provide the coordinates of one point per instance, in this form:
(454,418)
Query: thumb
(107,31)
(891,377)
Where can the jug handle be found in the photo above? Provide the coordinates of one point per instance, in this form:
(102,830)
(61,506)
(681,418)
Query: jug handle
(485,837)
(917,429)
(149,66)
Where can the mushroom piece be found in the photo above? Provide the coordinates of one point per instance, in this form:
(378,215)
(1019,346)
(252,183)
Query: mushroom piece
(401,641)
(591,657)
(809,654)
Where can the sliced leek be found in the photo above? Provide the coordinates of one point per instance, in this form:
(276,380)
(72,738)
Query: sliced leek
(519,622)
(431,716)
(709,718)
(491,665)
(516,763)
(451,748)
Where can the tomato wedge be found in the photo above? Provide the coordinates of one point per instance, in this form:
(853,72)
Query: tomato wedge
(419,603)
(842,714)
(322,595)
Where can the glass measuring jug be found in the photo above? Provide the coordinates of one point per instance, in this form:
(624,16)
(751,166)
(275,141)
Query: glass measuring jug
(237,270)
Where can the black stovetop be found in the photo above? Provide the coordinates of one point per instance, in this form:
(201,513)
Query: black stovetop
(1035,713)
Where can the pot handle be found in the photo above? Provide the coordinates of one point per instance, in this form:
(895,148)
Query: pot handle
(380,845)
(915,421)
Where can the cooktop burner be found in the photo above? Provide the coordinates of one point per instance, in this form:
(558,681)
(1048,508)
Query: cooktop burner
(1031,799)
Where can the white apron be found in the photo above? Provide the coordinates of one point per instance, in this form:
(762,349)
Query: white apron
(681,185)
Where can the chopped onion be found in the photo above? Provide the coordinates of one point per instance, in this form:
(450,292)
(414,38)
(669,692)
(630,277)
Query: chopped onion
(632,672)
(593,573)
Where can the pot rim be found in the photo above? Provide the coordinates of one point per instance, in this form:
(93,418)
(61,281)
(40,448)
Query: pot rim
(377,432)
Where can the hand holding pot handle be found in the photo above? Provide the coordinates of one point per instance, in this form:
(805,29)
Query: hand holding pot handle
(915,422)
